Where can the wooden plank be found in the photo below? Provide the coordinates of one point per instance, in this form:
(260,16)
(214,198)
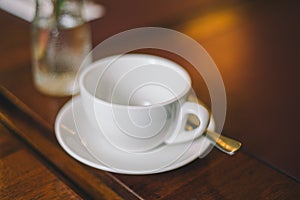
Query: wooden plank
(23,176)
(34,135)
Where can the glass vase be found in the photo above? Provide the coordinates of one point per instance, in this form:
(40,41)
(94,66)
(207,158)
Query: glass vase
(61,39)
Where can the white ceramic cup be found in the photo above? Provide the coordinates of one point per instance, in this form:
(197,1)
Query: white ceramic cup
(139,101)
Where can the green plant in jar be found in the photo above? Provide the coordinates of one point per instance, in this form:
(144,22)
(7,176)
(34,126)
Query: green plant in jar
(60,41)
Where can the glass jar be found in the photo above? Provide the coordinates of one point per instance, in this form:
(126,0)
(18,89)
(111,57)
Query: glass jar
(61,39)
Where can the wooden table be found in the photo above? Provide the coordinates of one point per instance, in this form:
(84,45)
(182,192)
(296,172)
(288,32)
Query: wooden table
(255,46)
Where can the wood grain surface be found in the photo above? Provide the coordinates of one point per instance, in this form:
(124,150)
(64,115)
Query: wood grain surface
(24,176)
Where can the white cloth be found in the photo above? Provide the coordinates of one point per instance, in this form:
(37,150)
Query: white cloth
(25,9)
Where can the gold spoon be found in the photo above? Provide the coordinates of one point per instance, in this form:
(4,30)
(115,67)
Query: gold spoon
(223,143)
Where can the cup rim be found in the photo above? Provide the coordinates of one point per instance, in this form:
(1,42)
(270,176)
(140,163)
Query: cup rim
(94,65)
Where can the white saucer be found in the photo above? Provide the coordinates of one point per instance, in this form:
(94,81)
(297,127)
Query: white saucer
(71,127)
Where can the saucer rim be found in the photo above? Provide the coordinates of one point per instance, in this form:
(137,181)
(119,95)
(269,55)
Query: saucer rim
(69,105)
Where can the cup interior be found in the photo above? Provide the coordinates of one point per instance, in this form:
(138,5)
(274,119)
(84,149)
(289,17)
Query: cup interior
(135,80)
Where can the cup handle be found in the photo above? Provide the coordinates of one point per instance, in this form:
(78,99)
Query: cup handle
(180,134)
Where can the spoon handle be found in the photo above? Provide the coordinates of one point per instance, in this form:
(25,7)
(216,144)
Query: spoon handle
(225,144)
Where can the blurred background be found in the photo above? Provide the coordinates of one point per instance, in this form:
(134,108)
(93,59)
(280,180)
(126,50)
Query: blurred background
(255,45)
